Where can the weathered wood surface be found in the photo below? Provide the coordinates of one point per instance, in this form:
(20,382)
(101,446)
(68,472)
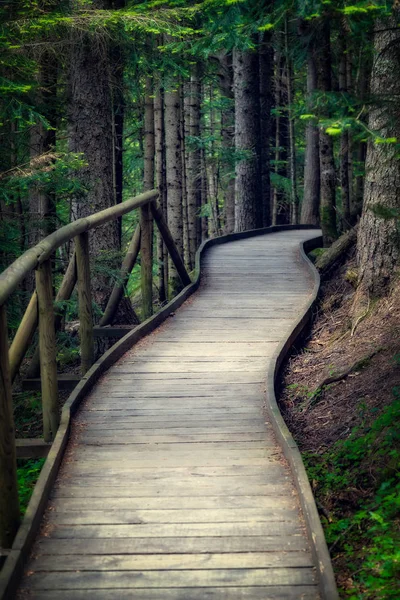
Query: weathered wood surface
(173,486)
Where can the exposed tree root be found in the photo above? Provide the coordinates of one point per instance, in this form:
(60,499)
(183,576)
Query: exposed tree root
(337,251)
(358,364)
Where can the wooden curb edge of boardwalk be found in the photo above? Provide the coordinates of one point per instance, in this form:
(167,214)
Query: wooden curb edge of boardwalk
(17,558)
(319,549)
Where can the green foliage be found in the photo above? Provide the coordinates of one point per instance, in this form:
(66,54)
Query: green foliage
(27,414)
(28,474)
(363,473)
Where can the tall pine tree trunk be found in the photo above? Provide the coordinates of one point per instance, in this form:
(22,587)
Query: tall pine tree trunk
(326,155)
(194,164)
(248,208)
(118,100)
(294,199)
(42,204)
(173,150)
(378,246)
(146,221)
(266,58)
(91,132)
(185,110)
(310,205)
(228,139)
(344,153)
(159,135)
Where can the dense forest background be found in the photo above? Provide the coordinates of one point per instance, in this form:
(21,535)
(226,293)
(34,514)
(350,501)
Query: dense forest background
(243,114)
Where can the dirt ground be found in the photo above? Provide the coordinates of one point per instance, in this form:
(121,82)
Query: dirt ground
(334,347)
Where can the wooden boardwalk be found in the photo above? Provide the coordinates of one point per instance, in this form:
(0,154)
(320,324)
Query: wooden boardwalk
(173,486)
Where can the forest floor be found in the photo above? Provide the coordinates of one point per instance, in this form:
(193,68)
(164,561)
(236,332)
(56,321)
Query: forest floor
(341,400)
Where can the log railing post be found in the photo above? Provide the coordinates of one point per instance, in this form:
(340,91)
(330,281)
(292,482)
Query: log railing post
(146,260)
(47,349)
(9,504)
(24,335)
(126,268)
(64,293)
(170,244)
(85,301)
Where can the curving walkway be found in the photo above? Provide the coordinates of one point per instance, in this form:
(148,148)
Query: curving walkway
(173,485)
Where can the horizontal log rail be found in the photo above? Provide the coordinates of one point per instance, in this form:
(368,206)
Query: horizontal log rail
(20,268)
(41,314)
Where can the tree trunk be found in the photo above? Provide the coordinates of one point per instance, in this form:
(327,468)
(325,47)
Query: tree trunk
(362,90)
(194,163)
(146,221)
(91,132)
(162,188)
(185,100)
(248,208)
(326,155)
(378,239)
(294,199)
(266,58)
(227,140)
(117,61)
(174,178)
(280,205)
(310,205)
(42,208)
(344,153)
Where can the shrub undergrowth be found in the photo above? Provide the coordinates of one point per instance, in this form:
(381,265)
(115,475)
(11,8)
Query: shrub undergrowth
(28,474)
(357,482)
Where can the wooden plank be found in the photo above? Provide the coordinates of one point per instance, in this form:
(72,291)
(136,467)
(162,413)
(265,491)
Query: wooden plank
(172,578)
(304,592)
(66,382)
(185,424)
(32,448)
(174,503)
(178,481)
(172,530)
(175,489)
(174,438)
(155,562)
(120,517)
(188,545)
(116,435)
(109,331)
(103,451)
(109,414)
(93,414)
(113,468)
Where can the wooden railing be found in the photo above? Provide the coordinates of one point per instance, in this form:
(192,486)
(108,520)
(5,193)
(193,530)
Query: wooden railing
(40,313)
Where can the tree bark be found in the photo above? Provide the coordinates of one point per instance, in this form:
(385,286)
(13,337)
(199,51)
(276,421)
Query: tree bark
(174,178)
(344,153)
(294,199)
(42,208)
(248,207)
(91,133)
(378,239)
(311,197)
(159,134)
(326,155)
(146,221)
(118,101)
(227,139)
(266,59)
(194,163)
(185,110)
